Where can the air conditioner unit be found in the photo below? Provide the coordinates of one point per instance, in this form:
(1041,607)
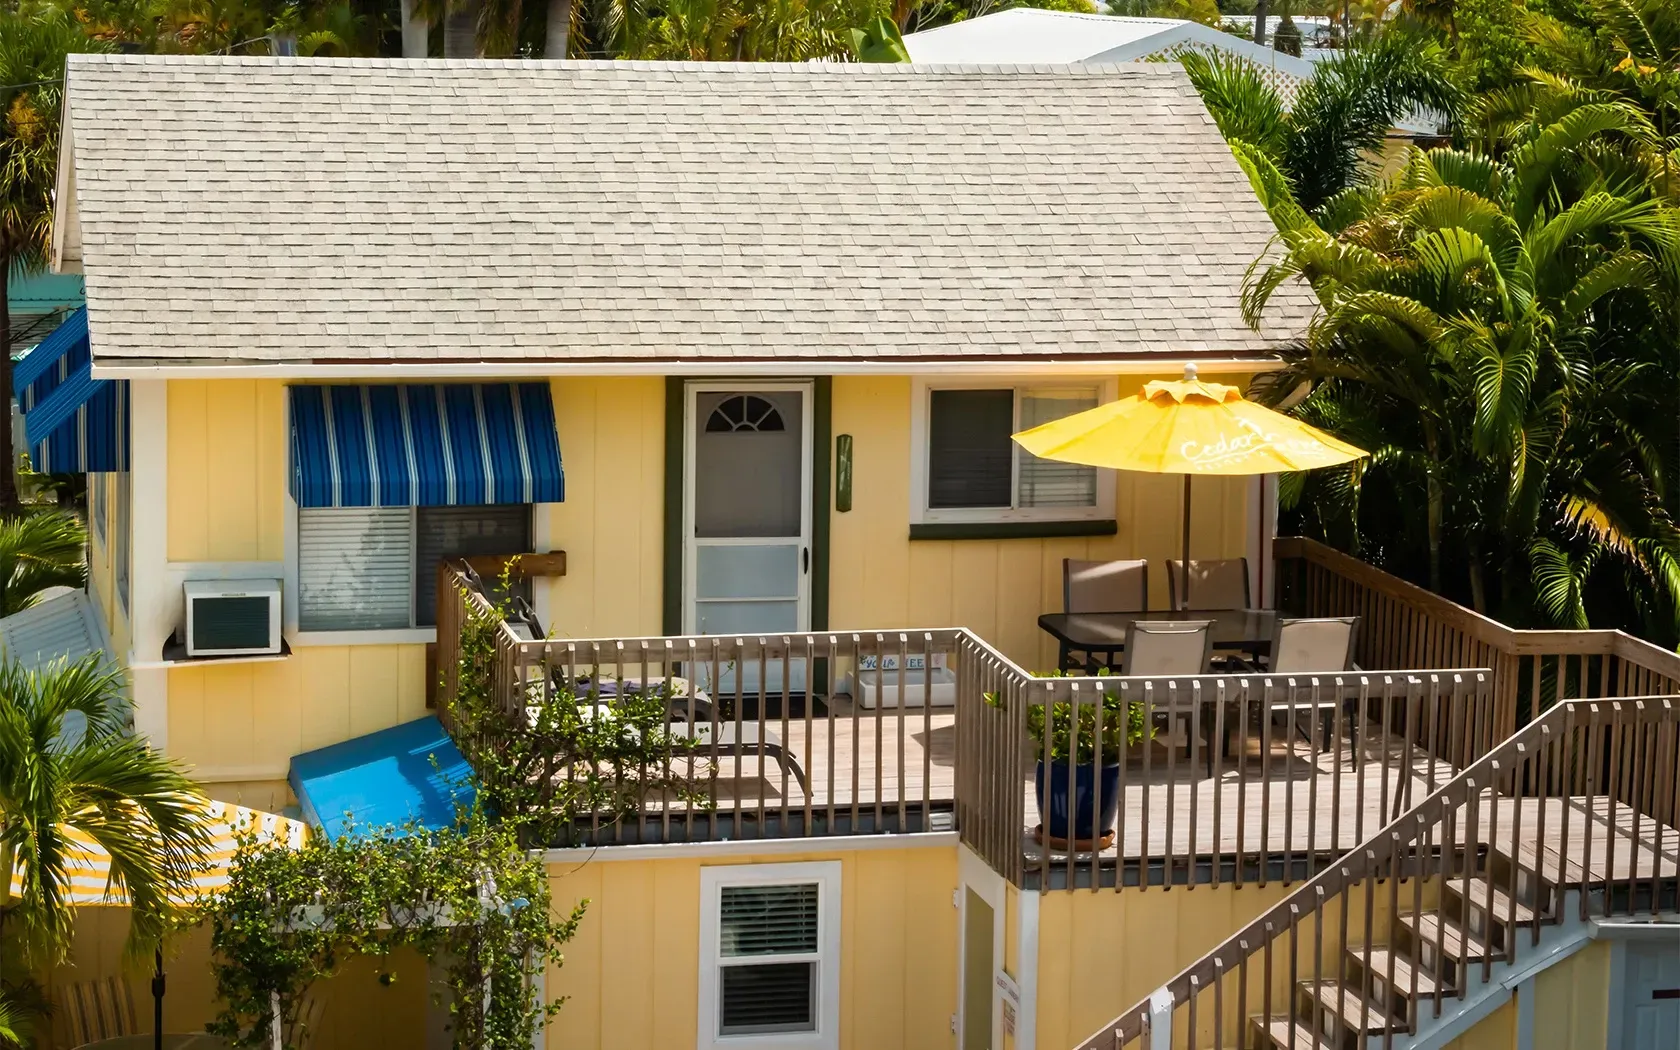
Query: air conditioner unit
(232,617)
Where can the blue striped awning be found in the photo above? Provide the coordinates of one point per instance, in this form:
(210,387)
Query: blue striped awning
(74,423)
(447,445)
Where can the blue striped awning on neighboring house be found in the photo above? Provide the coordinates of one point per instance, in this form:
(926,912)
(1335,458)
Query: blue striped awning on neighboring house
(74,423)
(444,445)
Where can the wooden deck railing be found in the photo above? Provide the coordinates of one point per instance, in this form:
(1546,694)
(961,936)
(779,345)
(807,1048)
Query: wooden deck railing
(1573,815)
(1403,625)
(1239,778)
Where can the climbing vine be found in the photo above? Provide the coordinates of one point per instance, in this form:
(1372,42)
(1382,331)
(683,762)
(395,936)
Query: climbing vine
(467,897)
(472,898)
(585,751)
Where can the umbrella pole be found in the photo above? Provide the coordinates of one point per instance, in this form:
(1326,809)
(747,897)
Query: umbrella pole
(157,998)
(1185,549)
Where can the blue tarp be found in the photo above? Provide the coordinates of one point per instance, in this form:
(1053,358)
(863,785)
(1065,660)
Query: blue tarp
(408,773)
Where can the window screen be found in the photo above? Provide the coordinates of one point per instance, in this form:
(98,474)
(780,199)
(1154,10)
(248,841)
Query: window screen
(463,531)
(768,943)
(1045,482)
(969,451)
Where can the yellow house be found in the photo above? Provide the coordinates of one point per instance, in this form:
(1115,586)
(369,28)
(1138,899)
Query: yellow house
(731,354)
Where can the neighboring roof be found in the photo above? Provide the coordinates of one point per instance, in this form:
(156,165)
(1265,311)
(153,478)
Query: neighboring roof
(409,773)
(39,301)
(1026,34)
(65,627)
(262,210)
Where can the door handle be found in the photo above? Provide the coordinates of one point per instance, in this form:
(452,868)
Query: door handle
(805,555)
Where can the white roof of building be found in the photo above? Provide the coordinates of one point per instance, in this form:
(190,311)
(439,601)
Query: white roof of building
(1026,34)
(351,211)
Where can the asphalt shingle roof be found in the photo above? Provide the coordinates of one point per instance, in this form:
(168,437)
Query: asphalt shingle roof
(236,210)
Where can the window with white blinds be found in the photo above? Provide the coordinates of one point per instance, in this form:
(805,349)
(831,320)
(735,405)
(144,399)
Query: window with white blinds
(1045,482)
(355,568)
(974,471)
(375,568)
(770,955)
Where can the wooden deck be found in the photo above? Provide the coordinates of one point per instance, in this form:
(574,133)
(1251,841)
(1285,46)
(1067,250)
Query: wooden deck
(1291,797)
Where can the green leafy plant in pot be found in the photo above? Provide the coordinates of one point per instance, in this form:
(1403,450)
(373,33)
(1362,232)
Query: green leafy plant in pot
(1082,767)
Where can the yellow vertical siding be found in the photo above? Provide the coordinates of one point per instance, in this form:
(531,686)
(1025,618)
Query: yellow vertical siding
(1497,1031)
(357,1009)
(1572,1001)
(227,470)
(998,588)
(244,721)
(612,441)
(632,972)
(1100,953)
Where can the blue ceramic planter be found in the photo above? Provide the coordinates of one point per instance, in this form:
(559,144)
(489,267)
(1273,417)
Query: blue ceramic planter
(1055,805)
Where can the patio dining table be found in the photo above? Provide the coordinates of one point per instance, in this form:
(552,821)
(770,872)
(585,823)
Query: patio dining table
(1247,631)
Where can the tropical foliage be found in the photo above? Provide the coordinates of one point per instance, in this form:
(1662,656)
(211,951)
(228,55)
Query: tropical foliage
(69,763)
(1498,326)
(38,551)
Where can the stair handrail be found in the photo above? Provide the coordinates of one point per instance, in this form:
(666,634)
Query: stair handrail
(1383,854)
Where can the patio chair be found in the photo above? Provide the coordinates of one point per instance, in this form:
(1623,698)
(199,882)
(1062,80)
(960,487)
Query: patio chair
(1105,586)
(1218,584)
(682,699)
(90,1011)
(1323,646)
(1170,648)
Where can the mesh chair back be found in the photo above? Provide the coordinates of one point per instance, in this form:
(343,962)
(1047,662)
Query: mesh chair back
(1168,647)
(1218,584)
(1104,586)
(90,1011)
(1313,645)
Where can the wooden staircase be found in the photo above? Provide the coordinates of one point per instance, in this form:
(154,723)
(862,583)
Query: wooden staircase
(1431,954)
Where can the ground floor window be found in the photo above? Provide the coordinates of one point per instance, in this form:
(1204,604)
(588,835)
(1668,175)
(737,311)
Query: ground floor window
(375,568)
(770,955)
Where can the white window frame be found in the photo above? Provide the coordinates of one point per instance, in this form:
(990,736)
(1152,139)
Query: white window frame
(98,497)
(292,593)
(921,395)
(826,874)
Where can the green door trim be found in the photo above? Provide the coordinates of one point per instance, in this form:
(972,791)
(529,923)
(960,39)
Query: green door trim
(822,479)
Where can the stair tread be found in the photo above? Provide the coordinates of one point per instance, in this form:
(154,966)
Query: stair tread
(1379,961)
(1279,1030)
(1496,902)
(1349,1003)
(1433,928)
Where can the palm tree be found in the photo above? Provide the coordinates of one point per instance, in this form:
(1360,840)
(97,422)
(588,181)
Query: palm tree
(38,551)
(33,44)
(1323,142)
(97,780)
(1497,344)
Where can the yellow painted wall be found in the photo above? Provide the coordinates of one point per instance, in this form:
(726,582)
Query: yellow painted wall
(1103,952)
(228,453)
(997,588)
(1497,1031)
(357,1010)
(1572,1001)
(244,721)
(102,561)
(632,971)
(612,442)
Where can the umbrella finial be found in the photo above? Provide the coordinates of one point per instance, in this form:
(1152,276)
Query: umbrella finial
(1189,371)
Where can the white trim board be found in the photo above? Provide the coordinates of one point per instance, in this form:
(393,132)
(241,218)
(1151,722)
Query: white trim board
(828,957)
(1166,362)
(738,848)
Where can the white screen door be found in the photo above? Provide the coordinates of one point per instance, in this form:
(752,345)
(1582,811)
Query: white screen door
(747,564)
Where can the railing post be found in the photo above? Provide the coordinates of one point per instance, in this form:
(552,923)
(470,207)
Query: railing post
(1161,1019)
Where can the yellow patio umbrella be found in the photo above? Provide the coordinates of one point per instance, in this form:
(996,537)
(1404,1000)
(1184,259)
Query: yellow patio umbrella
(88,868)
(1187,427)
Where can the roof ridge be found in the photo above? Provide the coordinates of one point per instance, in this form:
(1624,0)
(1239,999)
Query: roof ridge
(720,69)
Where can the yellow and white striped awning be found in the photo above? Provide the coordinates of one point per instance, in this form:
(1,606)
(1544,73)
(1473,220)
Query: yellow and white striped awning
(89,866)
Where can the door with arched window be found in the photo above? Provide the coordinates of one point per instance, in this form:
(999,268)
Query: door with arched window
(747,557)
